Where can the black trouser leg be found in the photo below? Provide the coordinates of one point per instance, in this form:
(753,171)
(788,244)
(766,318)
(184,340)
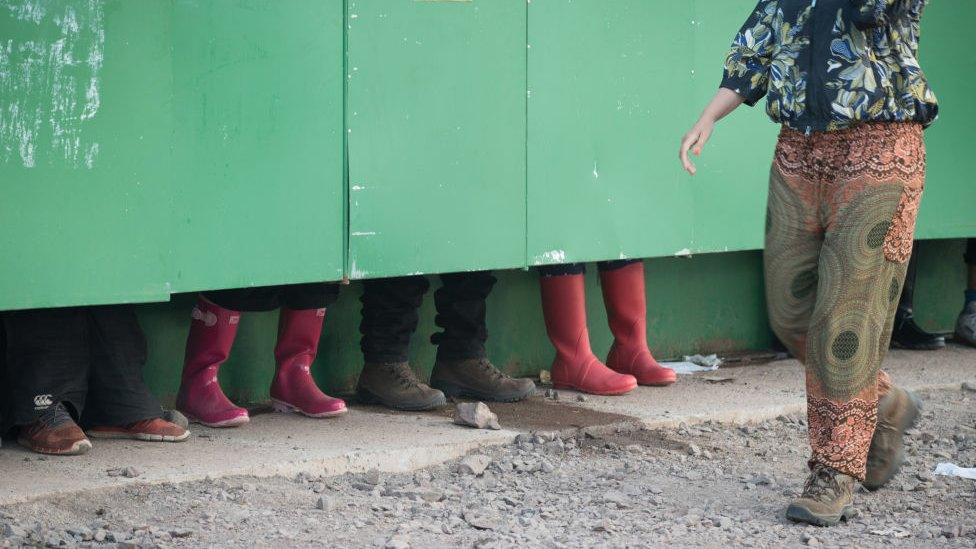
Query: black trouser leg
(580,268)
(47,361)
(971,252)
(315,295)
(563,270)
(117,394)
(461,311)
(390,317)
(907,302)
(301,297)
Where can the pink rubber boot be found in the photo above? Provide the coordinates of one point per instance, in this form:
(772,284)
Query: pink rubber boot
(575,366)
(623,294)
(293,389)
(212,332)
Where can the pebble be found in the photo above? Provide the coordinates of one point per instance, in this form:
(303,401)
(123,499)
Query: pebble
(474,464)
(325,503)
(477,415)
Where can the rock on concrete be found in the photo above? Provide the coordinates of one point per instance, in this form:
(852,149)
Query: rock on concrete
(476,414)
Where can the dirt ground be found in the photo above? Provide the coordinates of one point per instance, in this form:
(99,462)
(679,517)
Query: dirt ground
(707,485)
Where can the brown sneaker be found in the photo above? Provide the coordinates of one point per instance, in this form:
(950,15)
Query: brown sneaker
(394,385)
(897,412)
(54,433)
(478,378)
(152,430)
(826,500)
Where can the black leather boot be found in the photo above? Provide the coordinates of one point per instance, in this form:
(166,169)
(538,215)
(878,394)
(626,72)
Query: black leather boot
(907,333)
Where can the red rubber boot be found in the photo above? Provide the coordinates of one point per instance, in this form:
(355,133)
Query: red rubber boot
(212,332)
(623,295)
(293,389)
(575,366)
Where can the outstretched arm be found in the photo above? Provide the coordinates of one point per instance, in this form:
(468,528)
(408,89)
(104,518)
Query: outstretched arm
(724,102)
(745,79)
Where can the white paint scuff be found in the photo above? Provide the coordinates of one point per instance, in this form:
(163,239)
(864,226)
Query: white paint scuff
(50,82)
(551,257)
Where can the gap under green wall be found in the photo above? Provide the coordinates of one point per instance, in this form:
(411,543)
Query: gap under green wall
(708,303)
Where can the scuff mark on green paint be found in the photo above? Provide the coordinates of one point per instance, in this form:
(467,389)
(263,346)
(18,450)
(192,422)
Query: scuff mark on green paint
(50,68)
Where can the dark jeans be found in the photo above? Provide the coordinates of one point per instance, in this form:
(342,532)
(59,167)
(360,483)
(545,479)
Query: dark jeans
(580,268)
(89,358)
(390,316)
(971,252)
(319,295)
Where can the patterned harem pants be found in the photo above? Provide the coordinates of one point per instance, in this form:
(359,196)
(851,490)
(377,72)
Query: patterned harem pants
(839,230)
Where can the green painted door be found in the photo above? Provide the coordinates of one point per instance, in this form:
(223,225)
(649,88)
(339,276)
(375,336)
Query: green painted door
(436,142)
(84,127)
(258,146)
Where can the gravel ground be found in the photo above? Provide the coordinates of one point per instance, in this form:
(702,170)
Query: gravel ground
(706,485)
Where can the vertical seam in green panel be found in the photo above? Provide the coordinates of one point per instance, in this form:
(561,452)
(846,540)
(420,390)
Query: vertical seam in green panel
(525,195)
(346,213)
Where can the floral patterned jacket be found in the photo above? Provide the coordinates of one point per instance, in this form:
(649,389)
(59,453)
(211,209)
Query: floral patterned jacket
(829,64)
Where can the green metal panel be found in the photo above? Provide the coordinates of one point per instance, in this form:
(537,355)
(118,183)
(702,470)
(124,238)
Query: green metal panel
(729,192)
(84,115)
(436,122)
(949,202)
(258,142)
(604,108)
(168,145)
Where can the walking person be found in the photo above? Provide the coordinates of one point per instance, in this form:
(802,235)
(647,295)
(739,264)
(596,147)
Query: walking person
(843,79)
(76,373)
(630,362)
(213,328)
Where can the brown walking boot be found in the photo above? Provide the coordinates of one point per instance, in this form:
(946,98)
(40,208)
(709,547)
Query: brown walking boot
(54,433)
(394,385)
(478,378)
(897,412)
(826,500)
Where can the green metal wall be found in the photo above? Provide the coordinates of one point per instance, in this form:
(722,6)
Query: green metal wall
(163,146)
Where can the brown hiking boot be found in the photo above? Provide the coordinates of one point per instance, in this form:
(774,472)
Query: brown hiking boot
(152,430)
(54,433)
(826,500)
(478,378)
(897,412)
(394,385)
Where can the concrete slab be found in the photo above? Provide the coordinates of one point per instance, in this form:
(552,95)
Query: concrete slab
(275,444)
(759,392)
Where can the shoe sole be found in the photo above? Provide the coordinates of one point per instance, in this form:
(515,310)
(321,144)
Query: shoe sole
(932,347)
(618,392)
(657,384)
(236,422)
(285,408)
(78,448)
(367,397)
(458,392)
(959,338)
(907,423)
(105,435)
(797,513)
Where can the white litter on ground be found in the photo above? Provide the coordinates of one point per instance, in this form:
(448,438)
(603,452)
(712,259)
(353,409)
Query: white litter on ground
(953,470)
(695,363)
